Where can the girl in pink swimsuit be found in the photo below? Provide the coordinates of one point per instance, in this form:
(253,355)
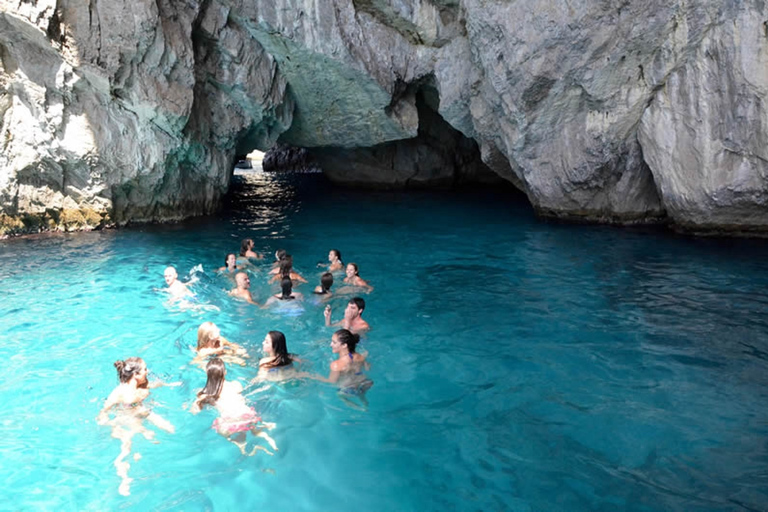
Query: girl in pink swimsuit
(236,418)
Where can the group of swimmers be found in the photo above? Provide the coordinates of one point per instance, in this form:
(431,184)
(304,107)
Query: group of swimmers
(235,417)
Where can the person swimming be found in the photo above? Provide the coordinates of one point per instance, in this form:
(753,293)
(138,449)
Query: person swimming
(242,288)
(176,288)
(285,269)
(353,278)
(246,250)
(334,258)
(326,281)
(347,370)
(230,263)
(353,316)
(210,342)
(286,293)
(127,399)
(277,363)
(236,418)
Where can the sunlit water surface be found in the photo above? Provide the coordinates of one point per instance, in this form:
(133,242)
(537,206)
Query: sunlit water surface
(518,365)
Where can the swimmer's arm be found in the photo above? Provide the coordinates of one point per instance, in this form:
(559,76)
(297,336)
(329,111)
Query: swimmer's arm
(111,401)
(237,349)
(159,384)
(332,378)
(275,278)
(297,277)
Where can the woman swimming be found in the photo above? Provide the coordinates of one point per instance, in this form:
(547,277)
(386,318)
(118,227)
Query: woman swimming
(277,363)
(286,293)
(127,399)
(326,281)
(235,416)
(230,263)
(211,343)
(334,258)
(286,270)
(353,277)
(246,250)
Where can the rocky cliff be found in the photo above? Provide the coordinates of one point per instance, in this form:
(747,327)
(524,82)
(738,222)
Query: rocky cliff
(617,111)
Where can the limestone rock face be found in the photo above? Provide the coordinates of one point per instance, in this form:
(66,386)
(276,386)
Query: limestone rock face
(614,111)
(705,134)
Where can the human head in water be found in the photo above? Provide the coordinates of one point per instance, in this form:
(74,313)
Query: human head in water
(245,246)
(280,254)
(344,338)
(352,270)
(133,367)
(208,336)
(326,281)
(242,280)
(274,345)
(286,266)
(355,308)
(230,261)
(170,275)
(334,255)
(216,372)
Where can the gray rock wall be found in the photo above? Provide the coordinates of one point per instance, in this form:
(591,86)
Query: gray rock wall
(627,111)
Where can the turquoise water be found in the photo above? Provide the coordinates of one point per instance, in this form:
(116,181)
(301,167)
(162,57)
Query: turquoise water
(518,365)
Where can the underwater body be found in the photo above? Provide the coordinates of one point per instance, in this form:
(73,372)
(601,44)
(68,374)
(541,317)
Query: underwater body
(517,364)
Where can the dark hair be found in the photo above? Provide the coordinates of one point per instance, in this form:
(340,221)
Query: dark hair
(280,347)
(287,286)
(227,257)
(357,269)
(359,302)
(128,368)
(244,246)
(326,281)
(338,255)
(345,337)
(281,254)
(286,265)
(216,375)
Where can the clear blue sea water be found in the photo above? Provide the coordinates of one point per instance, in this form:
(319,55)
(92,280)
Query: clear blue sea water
(518,365)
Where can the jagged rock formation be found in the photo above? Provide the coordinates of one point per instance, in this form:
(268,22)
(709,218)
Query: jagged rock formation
(628,111)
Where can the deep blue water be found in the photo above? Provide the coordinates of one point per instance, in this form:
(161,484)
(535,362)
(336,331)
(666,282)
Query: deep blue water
(518,364)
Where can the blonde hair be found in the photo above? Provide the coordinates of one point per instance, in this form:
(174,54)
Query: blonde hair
(205,335)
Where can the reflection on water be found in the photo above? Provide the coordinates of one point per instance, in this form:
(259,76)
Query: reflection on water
(518,365)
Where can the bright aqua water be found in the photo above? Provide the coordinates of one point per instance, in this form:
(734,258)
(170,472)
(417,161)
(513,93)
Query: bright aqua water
(518,365)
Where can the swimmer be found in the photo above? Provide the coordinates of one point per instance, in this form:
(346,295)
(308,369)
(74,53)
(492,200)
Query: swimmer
(230,263)
(235,416)
(176,288)
(347,370)
(353,319)
(334,258)
(280,255)
(287,293)
(246,250)
(128,401)
(211,343)
(277,363)
(353,278)
(242,291)
(286,270)
(326,281)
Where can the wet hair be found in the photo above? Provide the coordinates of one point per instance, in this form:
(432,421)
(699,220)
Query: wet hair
(227,258)
(280,254)
(216,375)
(245,245)
(326,281)
(287,286)
(128,368)
(354,265)
(204,335)
(338,255)
(359,302)
(280,348)
(347,338)
(286,265)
